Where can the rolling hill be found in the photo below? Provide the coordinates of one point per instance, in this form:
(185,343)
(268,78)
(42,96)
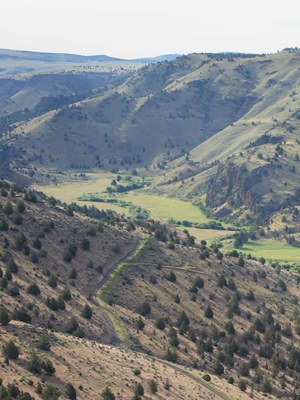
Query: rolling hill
(165,108)
(29,78)
(254,162)
(216,129)
(27,93)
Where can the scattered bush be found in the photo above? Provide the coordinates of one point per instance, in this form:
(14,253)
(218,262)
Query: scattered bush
(21,314)
(50,393)
(79,332)
(145,309)
(37,244)
(31,197)
(138,390)
(250,295)
(52,281)
(73,274)
(17,219)
(242,385)
(199,282)
(87,312)
(85,244)
(139,323)
(153,386)
(222,281)
(34,290)
(160,323)
(20,206)
(209,312)
(60,302)
(8,208)
(4,316)
(44,342)
(66,294)
(153,279)
(3,224)
(171,355)
(12,266)
(51,302)
(20,241)
(107,394)
(72,325)
(10,350)
(71,392)
(170,276)
(116,248)
(218,368)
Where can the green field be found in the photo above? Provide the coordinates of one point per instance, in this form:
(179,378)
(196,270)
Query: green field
(105,206)
(69,192)
(160,207)
(208,234)
(164,208)
(270,249)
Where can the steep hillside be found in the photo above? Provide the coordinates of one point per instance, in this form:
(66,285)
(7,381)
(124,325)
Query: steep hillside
(27,93)
(165,109)
(44,248)
(90,368)
(253,163)
(182,317)
(225,315)
(25,97)
(33,83)
(52,330)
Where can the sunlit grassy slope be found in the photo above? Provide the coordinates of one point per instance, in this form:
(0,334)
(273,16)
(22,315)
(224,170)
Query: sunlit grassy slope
(163,110)
(254,161)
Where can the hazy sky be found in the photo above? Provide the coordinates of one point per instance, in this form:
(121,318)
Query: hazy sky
(135,28)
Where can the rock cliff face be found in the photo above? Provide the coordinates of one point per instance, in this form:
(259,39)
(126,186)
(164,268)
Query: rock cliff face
(232,184)
(239,187)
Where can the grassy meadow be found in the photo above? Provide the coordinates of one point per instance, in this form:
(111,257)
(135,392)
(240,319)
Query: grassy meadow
(270,249)
(208,234)
(164,208)
(160,207)
(70,191)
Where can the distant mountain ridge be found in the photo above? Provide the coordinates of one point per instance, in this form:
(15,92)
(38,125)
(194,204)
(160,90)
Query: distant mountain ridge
(164,57)
(69,57)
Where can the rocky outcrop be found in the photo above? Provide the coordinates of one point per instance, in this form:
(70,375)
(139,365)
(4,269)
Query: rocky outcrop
(232,184)
(264,139)
(237,186)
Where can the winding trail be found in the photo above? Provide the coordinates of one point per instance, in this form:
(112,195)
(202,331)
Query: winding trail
(109,334)
(189,375)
